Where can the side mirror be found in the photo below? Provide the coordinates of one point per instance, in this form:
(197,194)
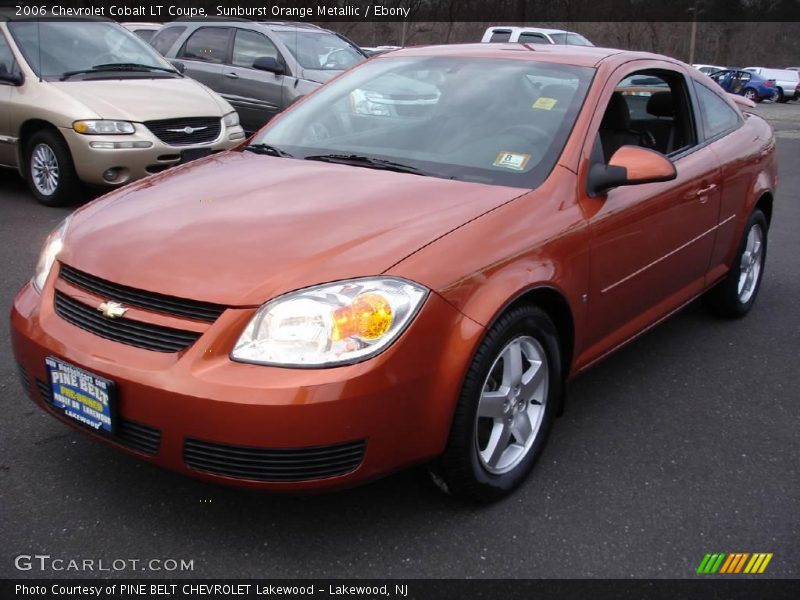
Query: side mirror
(179,66)
(630,165)
(269,63)
(14,78)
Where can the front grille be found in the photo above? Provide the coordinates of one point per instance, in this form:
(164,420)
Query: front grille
(278,464)
(170,305)
(171,131)
(125,331)
(133,435)
(23,377)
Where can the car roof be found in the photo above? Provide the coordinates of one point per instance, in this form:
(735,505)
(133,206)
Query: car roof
(585,56)
(536,29)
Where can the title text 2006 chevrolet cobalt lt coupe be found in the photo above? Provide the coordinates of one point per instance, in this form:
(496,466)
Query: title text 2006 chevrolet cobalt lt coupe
(404,267)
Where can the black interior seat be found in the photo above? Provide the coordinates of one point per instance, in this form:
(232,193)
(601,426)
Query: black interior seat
(615,129)
(661,105)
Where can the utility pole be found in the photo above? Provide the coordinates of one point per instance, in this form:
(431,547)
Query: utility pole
(693,35)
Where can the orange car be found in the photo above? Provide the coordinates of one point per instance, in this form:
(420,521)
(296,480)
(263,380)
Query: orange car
(403,268)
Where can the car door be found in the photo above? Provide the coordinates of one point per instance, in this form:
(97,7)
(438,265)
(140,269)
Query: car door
(7,136)
(256,95)
(724,79)
(204,53)
(650,244)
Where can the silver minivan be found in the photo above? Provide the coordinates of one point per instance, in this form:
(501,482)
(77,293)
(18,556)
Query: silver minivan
(259,67)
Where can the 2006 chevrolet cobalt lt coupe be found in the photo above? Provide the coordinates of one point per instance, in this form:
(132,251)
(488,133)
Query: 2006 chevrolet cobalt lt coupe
(405,267)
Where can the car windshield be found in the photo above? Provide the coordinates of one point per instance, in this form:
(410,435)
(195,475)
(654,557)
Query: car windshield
(320,50)
(56,48)
(495,121)
(571,39)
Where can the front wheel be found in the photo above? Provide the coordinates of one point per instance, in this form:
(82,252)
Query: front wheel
(51,174)
(735,295)
(507,406)
(780,96)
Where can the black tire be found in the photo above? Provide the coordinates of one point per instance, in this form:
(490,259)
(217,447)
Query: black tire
(781,97)
(68,187)
(726,299)
(461,471)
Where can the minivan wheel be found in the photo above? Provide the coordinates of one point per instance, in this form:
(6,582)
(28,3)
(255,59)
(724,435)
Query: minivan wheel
(51,174)
(506,408)
(735,295)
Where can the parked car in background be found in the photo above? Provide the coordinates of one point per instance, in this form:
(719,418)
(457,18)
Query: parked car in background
(260,68)
(708,69)
(533,35)
(786,81)
(354,292)
(747,84)
(146,31)
(375,50)
(88,101)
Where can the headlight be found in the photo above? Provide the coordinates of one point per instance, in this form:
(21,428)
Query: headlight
(330,324)
(52,246)
(103,127)
(231,119)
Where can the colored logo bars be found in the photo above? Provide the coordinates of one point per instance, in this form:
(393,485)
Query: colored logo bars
(738,562)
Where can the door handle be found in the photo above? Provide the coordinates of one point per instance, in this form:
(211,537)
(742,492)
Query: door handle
(706,190)
(232,75)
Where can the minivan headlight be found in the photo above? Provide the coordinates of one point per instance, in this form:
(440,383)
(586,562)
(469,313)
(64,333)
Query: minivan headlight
(331,324)
(52,246)
(231,119)
(103,127)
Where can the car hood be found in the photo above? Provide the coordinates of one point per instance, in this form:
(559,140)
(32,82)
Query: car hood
(132,99)
(239,228)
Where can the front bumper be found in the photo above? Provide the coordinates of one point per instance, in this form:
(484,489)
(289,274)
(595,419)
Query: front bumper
(134,163)
(398,405)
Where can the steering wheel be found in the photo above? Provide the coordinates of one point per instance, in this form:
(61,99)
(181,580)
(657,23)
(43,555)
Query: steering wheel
(521,130)
(332,59)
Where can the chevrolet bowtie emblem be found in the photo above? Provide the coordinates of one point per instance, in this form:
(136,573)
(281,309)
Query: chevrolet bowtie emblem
(112,310)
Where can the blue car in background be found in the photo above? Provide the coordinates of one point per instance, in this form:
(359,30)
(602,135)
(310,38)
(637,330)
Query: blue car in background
(751,86)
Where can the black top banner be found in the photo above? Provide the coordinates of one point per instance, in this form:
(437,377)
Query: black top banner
(494,11)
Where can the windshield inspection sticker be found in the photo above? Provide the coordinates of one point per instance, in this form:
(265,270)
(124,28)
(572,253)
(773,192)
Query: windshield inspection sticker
(545,103)
(512,160)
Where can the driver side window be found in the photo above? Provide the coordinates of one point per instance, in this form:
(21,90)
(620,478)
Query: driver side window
(250,45)
(649,109)
(7,63)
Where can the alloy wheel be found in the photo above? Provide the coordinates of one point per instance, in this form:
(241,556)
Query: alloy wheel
(750,264)
(512,405)
(44,169)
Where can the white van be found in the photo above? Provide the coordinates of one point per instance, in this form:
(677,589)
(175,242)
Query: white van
(533,35)
(787,81)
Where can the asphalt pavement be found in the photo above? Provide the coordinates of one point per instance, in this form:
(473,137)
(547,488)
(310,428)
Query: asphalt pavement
(685,442)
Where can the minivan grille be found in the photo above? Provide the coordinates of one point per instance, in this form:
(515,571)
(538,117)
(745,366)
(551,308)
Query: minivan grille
(133,435)
(126,331)
(273,464)
(170,305)
(186,131)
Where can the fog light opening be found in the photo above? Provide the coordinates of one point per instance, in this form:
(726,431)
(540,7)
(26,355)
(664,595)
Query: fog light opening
(111,175)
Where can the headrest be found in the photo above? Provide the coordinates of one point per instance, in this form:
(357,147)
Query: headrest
(617,116)
(661,104)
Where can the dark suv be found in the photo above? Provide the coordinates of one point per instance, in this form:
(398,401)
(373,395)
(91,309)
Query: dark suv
(259,67)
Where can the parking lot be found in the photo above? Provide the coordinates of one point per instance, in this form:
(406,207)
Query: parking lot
(683,443)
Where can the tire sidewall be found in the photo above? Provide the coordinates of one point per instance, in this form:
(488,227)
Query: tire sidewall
(757,218)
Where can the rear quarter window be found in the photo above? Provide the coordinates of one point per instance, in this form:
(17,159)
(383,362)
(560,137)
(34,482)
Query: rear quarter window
(717,117)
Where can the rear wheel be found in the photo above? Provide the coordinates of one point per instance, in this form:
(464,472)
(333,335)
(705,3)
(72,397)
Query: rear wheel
(735,295)
(50,171)
(507,406)
(751,94)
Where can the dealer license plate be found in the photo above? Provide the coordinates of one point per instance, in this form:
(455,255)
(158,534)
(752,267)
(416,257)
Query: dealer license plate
(82,396)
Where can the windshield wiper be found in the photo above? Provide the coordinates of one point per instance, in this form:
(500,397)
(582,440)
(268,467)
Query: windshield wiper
(267,149)
(130,67)
(365,161)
